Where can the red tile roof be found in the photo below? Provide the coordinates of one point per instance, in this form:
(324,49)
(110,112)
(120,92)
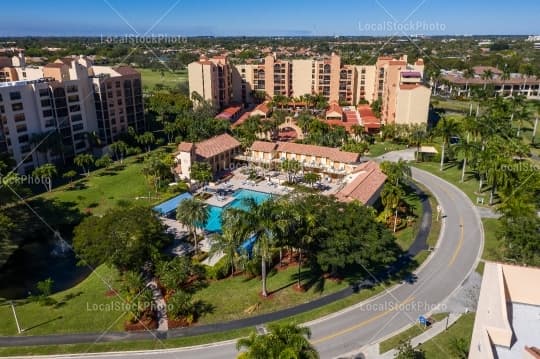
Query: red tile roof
(242,119)
(365,186)
(185,147)
(229,112)
(126,71)
(263,107)
(263,146)
(334,107)
(331,153)
(409,86)
(216,145)
(368,118)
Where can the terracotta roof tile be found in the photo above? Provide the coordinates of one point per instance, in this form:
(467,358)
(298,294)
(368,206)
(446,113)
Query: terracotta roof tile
(333,154)
(366,184)
(216,145)
(263,146)
(185,147)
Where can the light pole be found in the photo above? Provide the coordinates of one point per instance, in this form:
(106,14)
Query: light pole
(16,319)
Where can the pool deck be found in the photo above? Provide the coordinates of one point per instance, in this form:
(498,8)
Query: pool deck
(272,187)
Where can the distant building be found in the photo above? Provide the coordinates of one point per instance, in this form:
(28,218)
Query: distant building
(507,323)
(399,85)
(69,97)
(219,152)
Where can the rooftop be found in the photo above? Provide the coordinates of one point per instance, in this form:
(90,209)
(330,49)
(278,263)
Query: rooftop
(365,183)
(211,147)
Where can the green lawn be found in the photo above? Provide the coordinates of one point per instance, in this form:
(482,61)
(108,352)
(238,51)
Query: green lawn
(453,105)
(78,309)
(105,188)
(441,345)
(406,236)
(452,174)
(231,297)
(151,78)
(380,148)
(408,334)
(189,341)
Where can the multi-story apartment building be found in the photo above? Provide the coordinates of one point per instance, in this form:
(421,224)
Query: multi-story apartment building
(399,85)
(211,79)
(59,106)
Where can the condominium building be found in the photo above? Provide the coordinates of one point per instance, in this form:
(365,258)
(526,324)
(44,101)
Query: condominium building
(58,106)
(211,79)
(399,85)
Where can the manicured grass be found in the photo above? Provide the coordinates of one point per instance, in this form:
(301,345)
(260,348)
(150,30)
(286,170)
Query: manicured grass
(453,105)
(491,245)
(151,78)
(452,174)
(408,334)
(233,296)
(406,236)
(103,189)
(196,340)
(441,345)
(83,308)
(380,148)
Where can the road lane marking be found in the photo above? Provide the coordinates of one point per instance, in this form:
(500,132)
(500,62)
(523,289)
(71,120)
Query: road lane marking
(460,244)
(364,323)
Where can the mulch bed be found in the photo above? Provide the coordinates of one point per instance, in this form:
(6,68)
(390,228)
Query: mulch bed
(141,325)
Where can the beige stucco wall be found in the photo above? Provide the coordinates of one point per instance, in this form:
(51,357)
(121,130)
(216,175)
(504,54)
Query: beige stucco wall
(302,77)
(412,106)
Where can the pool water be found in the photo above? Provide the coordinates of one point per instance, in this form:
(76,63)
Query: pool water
(214,218)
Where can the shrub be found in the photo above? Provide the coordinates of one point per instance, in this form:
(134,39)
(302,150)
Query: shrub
(221,270)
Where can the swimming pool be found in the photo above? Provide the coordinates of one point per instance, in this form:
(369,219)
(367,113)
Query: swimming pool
(214,218)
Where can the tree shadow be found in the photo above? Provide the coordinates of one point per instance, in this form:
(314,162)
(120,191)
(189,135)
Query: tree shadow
(43,323)
(310,279)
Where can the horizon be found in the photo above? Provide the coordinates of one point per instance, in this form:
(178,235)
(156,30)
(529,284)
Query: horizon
(375,18)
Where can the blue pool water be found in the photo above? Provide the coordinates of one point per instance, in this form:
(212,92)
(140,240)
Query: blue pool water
(214,220)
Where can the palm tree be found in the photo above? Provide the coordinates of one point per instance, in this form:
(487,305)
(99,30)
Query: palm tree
(487,76)
(523,116)
(358,131)
(194,214)
(119,150)
(264,225)
(467,150)
(45,173)
(282,341)
(391,196)
(84,160)
(468,74)
(233,232)
(447,127)
(417,137)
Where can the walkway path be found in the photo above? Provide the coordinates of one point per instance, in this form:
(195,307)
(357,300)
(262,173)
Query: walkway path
(160,305)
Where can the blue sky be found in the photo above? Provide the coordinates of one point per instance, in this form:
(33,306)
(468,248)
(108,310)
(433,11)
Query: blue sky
(278,17)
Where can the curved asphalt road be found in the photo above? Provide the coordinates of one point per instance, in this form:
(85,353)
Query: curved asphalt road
(451,263)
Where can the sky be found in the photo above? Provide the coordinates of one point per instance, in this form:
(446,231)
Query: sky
(269,18)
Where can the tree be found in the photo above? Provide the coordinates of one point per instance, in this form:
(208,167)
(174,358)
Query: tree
(232,234)
(156,167)
(147,139)
(391,196)
(467,150)
(446,128)
(311,178)
(194,214)
(46,173)
(70,175)
(520,239)
(201,172)
(125,237)
(291,167)
(45,287)
(105,161)
(119,150)
(487,76)
(282,341)
(460,348)
(406,351)
(84,161)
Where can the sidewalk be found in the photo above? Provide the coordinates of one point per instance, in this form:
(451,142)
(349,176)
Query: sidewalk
(372,351)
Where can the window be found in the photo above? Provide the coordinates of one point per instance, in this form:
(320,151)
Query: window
(17,106)
(49,123)
(80,145)
(47,113)
(72,89)
(73,98)
(45,103)
(23,139)
(44,93)
(74,108)
(16,95)
(2,109)
(21,128)
(78,127)
(19,117)
(76,118)
(117,84)
(24,74)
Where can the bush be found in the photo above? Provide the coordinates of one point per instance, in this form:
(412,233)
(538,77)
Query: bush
(221,270)
(181,187)
(201,256)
